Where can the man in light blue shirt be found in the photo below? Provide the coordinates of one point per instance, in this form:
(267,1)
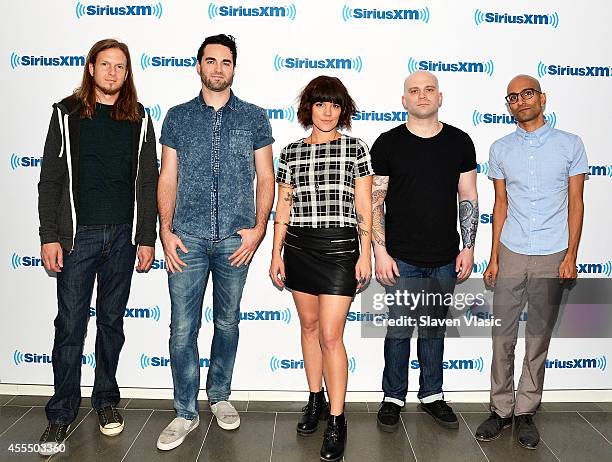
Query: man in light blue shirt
(538,174)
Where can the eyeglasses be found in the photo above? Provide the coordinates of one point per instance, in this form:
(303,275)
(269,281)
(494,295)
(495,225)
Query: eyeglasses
(526,94)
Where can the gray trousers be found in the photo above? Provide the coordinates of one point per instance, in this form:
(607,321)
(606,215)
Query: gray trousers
(532,279)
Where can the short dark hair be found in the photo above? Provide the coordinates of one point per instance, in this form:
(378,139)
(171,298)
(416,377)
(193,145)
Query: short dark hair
(325,89)
(221,39)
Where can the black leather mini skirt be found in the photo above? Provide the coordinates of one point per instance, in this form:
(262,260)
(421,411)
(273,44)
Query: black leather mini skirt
(321,260)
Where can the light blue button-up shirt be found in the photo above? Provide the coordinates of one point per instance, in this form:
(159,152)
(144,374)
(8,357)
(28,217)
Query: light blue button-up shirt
(537,166)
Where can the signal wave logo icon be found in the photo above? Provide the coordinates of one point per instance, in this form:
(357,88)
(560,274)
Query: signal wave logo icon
(156,10)
(15,161)
(546,19)
(277,364)
(256,315)
(261,11)
(15,261)
(15,60)
(27,261)
(419,15)
(482,67)
(287,114)
(353,64)
(482,168)
(154,112)
(480,267)
(487,118)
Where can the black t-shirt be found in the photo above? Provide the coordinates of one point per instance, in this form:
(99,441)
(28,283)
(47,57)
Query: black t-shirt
(421,201)
(106,189)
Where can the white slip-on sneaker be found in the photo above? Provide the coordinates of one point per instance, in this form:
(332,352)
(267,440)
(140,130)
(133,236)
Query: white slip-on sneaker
(226,414)
(176,432)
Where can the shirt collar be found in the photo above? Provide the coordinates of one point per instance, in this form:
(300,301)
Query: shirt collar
(231,102)
(540,134)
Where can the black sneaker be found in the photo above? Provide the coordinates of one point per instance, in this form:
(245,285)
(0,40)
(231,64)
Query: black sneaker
(526,432)
(491,428)
(53,439)
(388,416)
(442,413)
(111,422)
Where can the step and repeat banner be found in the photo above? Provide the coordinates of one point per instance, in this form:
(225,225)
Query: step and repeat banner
(474,47)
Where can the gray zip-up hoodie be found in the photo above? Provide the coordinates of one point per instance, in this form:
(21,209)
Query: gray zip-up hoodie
(58,188)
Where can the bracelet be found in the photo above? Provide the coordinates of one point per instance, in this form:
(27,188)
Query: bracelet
(281,223)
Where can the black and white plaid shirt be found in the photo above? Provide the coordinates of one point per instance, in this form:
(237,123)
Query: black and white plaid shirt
(323,180)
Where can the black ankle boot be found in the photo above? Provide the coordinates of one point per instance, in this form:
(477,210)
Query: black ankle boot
(334,439)
(316,409)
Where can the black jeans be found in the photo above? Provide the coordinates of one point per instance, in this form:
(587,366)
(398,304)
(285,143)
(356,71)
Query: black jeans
(105,252)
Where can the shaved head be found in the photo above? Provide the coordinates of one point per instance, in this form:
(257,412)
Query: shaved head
(523,81)
(419,78)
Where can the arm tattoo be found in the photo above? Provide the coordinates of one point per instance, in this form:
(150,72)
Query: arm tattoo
(288,197)
(379,192)
(360,221)
(468,219)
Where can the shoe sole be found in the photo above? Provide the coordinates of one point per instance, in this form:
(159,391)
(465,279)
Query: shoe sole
(332,460)
(51,452)
(112,431)
(451,425)
(174,444)
(387,428)
(226,426)
(527,447)
(485,439)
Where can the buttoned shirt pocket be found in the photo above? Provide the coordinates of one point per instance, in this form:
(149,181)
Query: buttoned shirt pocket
(241,152)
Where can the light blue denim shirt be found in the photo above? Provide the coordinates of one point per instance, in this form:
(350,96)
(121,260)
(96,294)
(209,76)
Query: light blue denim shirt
(216,164)
(537,166)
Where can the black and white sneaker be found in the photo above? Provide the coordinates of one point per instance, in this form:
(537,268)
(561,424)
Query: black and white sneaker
(111,421)
(53,440)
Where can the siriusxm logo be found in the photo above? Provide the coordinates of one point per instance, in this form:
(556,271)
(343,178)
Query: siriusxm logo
(46,61)
(281,113)
(460,66)
(27,261)
(599,362)
(600,170)
(358,316)
(476,364)
(547,19)
(262,11)
(480,267)
(256,315)
(486,218)
(482,168)
(595,268)
(353,64)
(486,315)
(162,361)
(384,116)
(159,265)
(154,112)
(152,312)
(420,15)
(34,358)
(164,61)
(155,10)
(278,364)
(19,161)
(558,70)
(487,118)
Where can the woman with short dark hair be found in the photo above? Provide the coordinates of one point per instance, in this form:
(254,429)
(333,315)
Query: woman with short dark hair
(323,217)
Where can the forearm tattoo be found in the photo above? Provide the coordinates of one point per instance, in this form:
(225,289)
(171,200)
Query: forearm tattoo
(360,221)
(468,220)
(288,197)
(379,192)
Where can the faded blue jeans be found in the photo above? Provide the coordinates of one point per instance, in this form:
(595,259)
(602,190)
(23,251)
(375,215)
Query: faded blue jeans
(186,294)
(430,343)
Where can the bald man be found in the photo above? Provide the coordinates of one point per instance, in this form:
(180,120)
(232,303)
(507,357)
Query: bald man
(422,169)
(538,173)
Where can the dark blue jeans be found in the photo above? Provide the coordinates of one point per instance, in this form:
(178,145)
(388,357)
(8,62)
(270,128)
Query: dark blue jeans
(430,343)
(186,294)
(105,252)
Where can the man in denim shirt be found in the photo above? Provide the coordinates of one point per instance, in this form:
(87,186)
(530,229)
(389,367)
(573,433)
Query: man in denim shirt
(538,173)
(213,147)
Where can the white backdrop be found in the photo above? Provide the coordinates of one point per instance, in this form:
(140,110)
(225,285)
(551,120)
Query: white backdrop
(372,48)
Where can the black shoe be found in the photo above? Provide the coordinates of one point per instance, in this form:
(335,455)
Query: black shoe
(442,413)
(111,422)
(53,439)
(316,409)
(334,439)
(491,428)
(388,416)
(526,432)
